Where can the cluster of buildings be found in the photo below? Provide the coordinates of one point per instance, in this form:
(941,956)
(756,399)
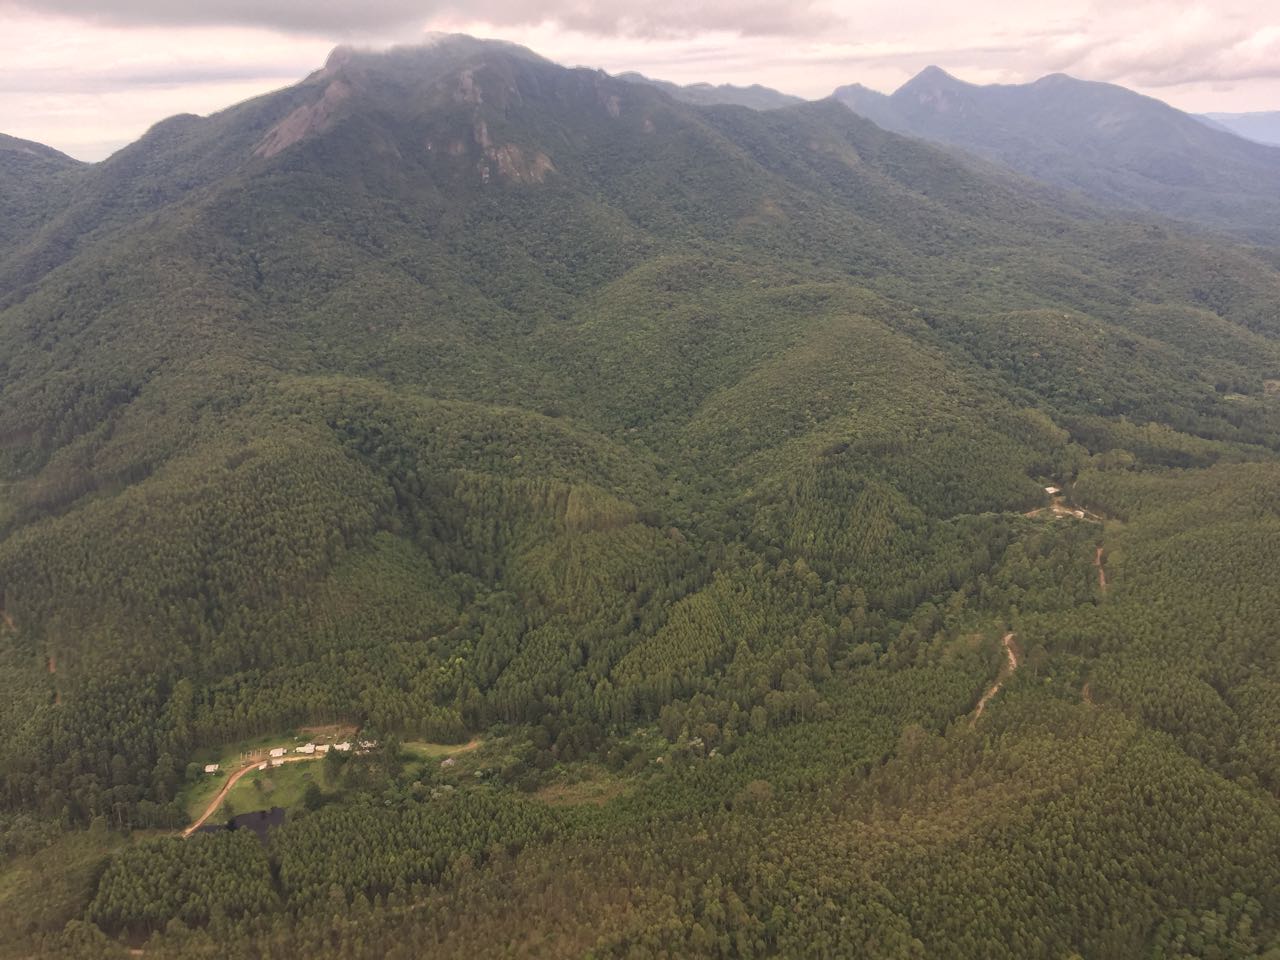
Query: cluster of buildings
(276,756)
(307,749)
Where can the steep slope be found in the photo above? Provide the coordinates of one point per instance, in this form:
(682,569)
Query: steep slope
(1109,143)
(31,178)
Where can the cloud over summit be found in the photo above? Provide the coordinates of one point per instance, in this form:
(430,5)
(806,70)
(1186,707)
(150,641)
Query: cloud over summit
(372,17)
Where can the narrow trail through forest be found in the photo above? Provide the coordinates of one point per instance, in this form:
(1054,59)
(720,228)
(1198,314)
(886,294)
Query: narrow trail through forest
(1012,654)
(53,672)
(1102,574)
(234,779)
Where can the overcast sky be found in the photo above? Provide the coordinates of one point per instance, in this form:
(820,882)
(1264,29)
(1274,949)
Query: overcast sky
(87,76)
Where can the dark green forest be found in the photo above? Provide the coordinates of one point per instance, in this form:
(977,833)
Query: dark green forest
(687,464)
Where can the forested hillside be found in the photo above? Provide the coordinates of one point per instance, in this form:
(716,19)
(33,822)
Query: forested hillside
(658,489)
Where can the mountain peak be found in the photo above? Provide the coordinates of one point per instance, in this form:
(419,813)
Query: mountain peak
(932,76)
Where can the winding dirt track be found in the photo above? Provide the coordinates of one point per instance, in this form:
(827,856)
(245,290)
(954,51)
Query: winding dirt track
(1102,574)
(233,780)
(1012,665)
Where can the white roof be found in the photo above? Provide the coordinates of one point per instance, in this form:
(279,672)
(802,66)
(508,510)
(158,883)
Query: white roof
(306,748)
(344,746)
(1052,490)
(322,748)
(277,761)
(210,768)
(277,751)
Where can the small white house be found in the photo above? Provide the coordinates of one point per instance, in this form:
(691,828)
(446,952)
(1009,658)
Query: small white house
(307,748)
(277,751)
(343,747)
(1052,491)
(322,748)
(262,765)
(210,768)
(448,761)
(277,761)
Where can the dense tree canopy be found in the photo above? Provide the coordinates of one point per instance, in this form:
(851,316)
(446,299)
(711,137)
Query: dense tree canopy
(693,461)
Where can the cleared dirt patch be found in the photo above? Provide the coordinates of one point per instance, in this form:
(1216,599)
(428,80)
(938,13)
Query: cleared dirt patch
(1058,507)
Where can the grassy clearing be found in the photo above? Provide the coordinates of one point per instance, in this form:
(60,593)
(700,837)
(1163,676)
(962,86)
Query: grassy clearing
(593,785)
(200,794)
(281,786)
(423,750)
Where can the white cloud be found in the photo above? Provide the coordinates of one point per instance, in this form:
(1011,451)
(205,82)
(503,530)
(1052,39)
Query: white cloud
(373,17)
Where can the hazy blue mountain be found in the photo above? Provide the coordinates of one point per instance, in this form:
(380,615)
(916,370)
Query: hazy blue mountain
(1111,144)
(1264,126)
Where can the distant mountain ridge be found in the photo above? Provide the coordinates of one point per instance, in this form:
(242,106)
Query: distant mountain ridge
(1262,127)
(755,96)
(1111,144)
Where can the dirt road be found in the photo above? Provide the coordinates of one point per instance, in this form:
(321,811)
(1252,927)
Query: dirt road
(234,779)
(1005,673)
(1102,574)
